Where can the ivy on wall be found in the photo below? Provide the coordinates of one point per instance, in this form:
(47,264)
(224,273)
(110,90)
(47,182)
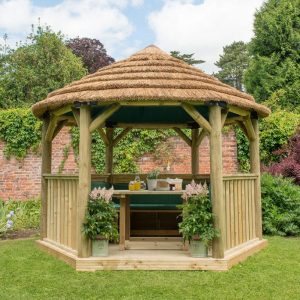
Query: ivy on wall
(129,149)
(20,131)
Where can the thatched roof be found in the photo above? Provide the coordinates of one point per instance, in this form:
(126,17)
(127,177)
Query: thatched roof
(150,74)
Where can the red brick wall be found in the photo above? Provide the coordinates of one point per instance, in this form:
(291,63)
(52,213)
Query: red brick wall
(179,158)
(20,179)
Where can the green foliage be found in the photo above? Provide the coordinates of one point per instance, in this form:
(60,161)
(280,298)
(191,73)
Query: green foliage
(275,132)
(197,219)
(188,58)
(128,150)
(242,150)
(280,206)
(20,131)
(66,152)
(26,214)
(233,63)
(36,68)
(101,220)
(153,174)
(274,71)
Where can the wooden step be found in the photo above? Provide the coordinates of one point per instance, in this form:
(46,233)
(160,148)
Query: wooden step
(149,243)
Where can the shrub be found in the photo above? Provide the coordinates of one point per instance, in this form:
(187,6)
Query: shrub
(26,214)
(290,165)
(197,217)
(280,206)
(275,132)
(101,216)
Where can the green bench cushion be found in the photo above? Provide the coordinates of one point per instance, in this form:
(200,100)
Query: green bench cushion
(144,202)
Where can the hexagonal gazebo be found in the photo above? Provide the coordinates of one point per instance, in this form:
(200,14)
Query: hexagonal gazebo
(150,90)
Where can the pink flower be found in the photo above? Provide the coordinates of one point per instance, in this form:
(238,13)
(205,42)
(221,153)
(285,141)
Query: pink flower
(102,193)
(193,189)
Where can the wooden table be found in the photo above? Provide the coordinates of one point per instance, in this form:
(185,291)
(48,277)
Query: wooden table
(124,196)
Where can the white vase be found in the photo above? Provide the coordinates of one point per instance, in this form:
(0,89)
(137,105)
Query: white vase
(151,183)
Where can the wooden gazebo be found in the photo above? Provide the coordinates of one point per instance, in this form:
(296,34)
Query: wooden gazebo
(150,90)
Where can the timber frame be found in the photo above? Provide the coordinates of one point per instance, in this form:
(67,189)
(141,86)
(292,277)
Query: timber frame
(236,199)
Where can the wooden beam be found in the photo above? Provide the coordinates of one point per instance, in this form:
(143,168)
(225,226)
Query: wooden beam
(192,111)
(76,115)
(201,136)
(62,110)
(223,117)
(46,168)
(242,126)
(239,111)
(249,128)
(109,151)
(99,121)
(195,152)
(120,136)
(216,180)
(83,243)
(233,120)
(58,128)
(51,128)
(255,168)
(103,135)
(183,136)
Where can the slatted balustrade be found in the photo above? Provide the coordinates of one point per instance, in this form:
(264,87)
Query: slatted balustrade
(239,200)
(61,209)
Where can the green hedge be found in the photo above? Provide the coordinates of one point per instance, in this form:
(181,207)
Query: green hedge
(26,214)
(280,205)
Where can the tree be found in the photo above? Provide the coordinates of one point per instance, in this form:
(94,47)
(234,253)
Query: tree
(233,63)
(92,53)
(273,75)
(34,69)
(188,58)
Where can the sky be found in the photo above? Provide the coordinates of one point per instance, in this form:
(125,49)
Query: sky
(202,27)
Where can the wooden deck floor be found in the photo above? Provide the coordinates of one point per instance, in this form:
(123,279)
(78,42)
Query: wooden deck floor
(153,259)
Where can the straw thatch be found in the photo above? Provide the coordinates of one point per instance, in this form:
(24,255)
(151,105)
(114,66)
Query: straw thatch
(149,74)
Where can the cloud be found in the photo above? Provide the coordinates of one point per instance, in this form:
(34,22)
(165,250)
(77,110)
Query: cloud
(203,28)
(102,19)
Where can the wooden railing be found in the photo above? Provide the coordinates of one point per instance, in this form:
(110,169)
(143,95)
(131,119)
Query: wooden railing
(61,209)
(239,199)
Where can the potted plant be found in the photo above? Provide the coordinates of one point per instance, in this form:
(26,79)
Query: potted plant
(101,221)
(197,219)
(152,179)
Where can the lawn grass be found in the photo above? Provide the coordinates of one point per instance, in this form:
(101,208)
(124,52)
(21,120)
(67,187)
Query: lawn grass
(28,273)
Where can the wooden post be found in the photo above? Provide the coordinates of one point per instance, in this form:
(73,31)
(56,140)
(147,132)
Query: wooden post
(255,168)
(216,179)
(127,219)
(195,151)
(46,168)
(109,151)
(122,222)
(84,244)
